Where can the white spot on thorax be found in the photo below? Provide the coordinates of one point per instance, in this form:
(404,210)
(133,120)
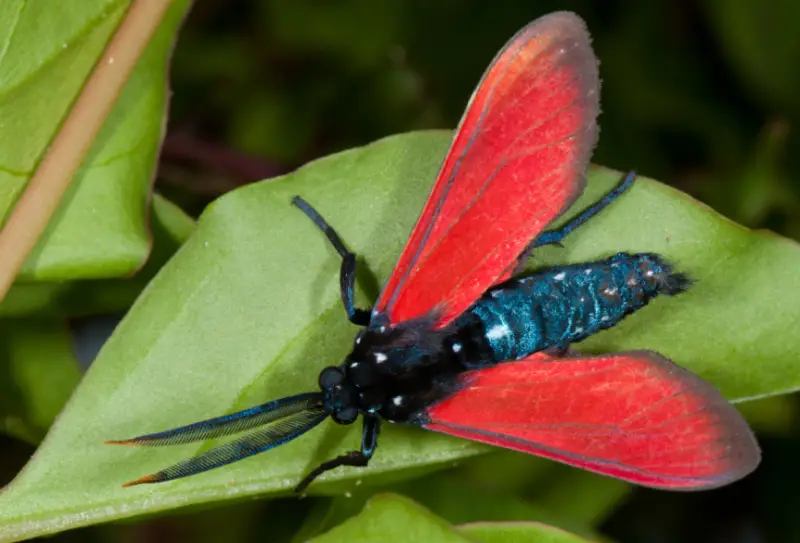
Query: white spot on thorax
(456,347)
(579,330)
(559,276)
(497,331)
(398,401)
(380,357)
(604,318)
(587,271)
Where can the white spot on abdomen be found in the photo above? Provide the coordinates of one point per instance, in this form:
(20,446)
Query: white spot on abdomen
(497,331)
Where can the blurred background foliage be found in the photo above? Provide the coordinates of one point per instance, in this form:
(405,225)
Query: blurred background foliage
(703,95)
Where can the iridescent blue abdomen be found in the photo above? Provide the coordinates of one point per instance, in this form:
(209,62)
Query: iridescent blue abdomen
(558,306)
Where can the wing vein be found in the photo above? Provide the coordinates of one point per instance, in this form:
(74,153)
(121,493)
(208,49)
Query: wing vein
(412,264)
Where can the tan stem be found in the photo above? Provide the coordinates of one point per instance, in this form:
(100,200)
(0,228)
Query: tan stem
(68,149)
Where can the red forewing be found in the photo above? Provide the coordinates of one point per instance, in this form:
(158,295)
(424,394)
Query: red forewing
(635,416)
(517,162)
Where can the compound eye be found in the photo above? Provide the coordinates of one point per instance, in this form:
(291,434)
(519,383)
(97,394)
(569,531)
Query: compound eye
(347,415)
(330,377)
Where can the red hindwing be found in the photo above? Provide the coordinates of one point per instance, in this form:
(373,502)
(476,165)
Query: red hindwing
(516,163)
(635,416)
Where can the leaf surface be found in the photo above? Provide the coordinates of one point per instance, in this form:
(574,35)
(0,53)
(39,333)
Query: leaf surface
(47,52)
(249,310)
(394,518)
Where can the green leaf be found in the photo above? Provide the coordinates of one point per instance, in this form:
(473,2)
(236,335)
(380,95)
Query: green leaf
(249,310)
(387,516)
(170,228)
(518,532)
(521,471)
(38,372)
(564,493)
(170,220)
(581,496)
(48,51)
(772,415)
(446,495)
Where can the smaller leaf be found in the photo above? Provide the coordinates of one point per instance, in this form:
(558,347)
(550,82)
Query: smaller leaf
(170,221)
(38,372)
(518,532)
(520,471)
(170,228)
(564,492)
(394,518)
(458,501)
(581,496)
(49,51)
(448,495)
(773,415)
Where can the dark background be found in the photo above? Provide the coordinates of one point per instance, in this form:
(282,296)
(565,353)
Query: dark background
(704,96)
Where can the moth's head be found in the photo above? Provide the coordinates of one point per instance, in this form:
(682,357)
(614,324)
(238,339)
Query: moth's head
(340,396)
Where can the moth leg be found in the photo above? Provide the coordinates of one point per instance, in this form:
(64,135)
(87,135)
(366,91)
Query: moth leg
(369,441)
(347,274)
(554,237)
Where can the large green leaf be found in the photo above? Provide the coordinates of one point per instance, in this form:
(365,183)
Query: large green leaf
(394,518)
(249,310)
(48,50)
